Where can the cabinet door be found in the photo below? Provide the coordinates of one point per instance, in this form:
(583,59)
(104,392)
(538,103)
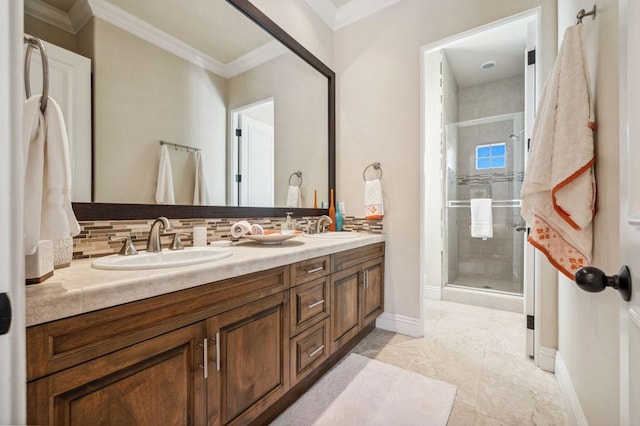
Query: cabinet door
(372,290)
(157,381)
(344,306)
(249,359)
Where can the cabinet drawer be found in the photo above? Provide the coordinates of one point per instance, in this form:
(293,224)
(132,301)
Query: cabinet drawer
(308,270)
(347,259)
(310,303)
(308,350)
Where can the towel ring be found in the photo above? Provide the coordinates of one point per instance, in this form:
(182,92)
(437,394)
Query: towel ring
(299,175)
(376,166)
(36,43)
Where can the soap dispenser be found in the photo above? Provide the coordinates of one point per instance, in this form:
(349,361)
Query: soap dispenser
(289,224)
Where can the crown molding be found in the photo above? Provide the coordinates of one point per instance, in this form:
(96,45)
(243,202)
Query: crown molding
(326,10)
(79,14)
(254,58)
(356,10)
(49,14)
(136,26)
(348,13)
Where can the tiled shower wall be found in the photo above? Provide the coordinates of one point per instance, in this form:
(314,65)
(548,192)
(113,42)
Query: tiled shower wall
(94,239)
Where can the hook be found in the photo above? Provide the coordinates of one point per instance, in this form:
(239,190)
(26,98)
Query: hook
(581,14)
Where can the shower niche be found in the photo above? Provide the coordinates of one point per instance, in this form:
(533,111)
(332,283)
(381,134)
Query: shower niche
(484,158)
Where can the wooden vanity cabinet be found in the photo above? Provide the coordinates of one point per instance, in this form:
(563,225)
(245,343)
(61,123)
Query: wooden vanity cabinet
(357,292)
(237,351)
(248,360)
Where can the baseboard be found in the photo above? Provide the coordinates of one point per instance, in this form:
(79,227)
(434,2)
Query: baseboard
(547,359)
(572,402)
(400,324)
(432,292)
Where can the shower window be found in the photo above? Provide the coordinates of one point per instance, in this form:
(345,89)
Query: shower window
(491,156)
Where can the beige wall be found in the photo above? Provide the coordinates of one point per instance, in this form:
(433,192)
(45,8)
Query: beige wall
(378,65)
(300,103)
(588,322)
(135,107)
(49,33)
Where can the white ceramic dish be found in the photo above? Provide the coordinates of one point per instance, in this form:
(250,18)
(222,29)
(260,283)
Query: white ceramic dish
(275,238)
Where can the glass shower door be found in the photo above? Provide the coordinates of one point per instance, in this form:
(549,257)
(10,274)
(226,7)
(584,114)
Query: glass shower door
(485,159)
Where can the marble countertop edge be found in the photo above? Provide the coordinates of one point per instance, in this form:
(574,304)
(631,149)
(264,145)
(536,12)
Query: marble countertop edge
(80,288)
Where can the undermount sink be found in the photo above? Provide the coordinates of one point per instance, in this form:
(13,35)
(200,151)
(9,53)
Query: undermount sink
(333,235)
(163,259)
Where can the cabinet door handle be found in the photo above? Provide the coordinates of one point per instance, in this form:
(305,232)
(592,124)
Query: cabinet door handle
(366,278)
(217,351)
(315,352)
(313,305)
(318,269)
(205,367)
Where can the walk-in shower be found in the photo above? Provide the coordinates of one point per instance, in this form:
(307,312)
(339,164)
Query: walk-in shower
(484,158)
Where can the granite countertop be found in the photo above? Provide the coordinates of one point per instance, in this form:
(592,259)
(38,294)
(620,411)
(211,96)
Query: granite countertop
(80,288)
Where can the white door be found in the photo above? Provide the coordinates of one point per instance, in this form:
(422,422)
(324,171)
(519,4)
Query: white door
(630,210)
(256,164)
(70,86)
(12,346)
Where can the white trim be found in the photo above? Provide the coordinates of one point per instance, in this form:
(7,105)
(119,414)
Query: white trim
(79,14)
(326,10)
(256,57)
(349,13)
(572,402)
(356,10)
(432,292)
(136,26)
(49,14)
(547,359)
(400,324)
(634,316)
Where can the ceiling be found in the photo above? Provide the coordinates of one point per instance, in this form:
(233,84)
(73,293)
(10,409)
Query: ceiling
(505,45)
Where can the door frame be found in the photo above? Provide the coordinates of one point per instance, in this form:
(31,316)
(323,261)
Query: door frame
(432,247)
(12,345)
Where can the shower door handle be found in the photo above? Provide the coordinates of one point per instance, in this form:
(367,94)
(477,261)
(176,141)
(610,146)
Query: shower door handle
(520,228)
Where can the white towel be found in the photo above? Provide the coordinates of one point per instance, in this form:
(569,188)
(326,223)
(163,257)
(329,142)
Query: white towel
(373,207)
(164,188)
(240,228)
(47,199)
(200,192)
(558,192)
(257,229)
(294,197)
(481,218)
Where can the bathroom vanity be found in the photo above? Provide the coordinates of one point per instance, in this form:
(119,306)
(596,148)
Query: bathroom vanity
(232,342)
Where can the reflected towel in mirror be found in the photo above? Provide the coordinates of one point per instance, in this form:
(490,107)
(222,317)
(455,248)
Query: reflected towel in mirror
(294,197)
(200,191)
(164,188)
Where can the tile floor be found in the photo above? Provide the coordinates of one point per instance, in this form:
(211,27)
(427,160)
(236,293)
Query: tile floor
(481,351)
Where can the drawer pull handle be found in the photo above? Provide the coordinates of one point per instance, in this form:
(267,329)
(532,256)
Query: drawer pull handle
(318,269)
(313,305)
(315,352)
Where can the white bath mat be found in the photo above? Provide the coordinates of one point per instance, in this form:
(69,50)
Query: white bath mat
(363,391)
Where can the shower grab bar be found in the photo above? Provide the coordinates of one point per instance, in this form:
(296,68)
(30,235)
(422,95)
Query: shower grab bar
(516,203)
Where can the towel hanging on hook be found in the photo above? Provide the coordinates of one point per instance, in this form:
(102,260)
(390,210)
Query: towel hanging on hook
(36,43)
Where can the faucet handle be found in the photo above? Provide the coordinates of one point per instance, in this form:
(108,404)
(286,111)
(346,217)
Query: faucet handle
(128,248)
(176,243)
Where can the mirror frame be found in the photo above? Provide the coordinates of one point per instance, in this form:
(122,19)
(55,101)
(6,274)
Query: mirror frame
(115,211)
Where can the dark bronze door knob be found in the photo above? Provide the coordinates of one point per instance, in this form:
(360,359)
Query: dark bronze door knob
(594,280)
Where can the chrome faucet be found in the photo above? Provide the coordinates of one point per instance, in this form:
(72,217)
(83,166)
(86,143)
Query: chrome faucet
(153,243)
(319,225)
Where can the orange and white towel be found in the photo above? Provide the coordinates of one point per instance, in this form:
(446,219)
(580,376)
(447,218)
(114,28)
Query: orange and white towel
(558,192)
(373,207)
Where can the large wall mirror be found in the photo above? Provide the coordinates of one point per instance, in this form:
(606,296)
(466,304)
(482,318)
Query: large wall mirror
(213,76)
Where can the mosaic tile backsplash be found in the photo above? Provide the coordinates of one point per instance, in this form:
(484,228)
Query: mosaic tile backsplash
(94,239)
